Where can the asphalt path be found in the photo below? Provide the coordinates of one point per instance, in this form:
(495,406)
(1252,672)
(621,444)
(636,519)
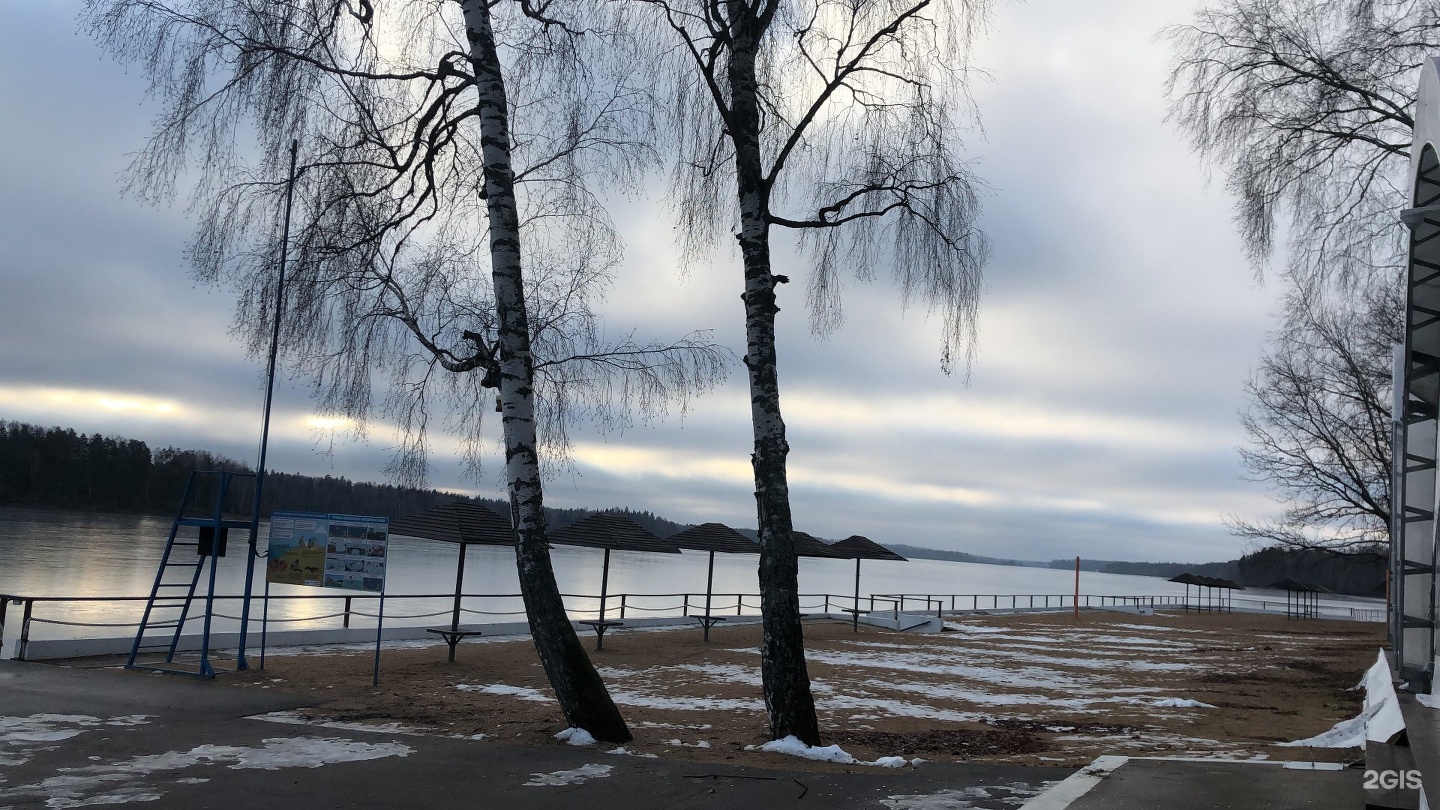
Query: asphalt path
(77,737)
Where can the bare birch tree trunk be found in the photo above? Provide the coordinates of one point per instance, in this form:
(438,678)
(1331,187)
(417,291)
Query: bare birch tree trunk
(786,681)
(578,687)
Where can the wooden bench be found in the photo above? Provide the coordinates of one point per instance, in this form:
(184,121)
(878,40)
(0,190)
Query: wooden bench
(707,621)
(453,635)
(855,614)
(600,626)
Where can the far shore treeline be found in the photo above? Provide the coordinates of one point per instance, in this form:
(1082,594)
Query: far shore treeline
(58,468)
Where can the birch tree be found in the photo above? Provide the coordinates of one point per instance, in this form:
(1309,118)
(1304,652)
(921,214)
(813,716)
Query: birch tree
(439,140)
(839,120)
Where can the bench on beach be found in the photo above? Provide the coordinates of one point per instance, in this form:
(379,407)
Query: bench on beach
(855,614)
(600,626)
(707,621)
(453,635)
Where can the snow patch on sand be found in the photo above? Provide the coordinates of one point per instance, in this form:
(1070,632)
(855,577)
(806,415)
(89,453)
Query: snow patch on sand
(575,736)
(830,753)
(625,752)
(521,692)
(1177,703)
(965,627)
(683,703)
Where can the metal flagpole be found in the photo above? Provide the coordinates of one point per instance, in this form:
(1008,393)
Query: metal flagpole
(265,423)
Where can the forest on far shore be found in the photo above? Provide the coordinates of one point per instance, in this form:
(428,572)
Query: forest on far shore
(58,468)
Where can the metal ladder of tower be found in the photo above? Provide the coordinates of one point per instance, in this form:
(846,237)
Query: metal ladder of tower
(179,575)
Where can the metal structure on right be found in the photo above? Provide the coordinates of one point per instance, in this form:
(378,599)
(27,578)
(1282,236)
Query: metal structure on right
(1413,546)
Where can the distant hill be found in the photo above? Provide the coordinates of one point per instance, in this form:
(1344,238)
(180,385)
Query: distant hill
(1223,570)
(922,553)
(1355,575)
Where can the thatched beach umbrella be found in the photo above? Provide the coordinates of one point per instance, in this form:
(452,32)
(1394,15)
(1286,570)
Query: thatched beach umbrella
(463,523)
(861,548)
(1306,597)
(807,545)
(601,530)
(713,537)
(1210,584)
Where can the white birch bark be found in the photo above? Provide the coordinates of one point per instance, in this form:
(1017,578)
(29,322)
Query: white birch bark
(789,704)
(578,687)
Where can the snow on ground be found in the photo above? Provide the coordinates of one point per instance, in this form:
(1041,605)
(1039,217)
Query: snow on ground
(794,747)
(1154,627)
(967,627)
(575,736)
(629,697)
(653,724)
(829,753)
(119,782)
(1019,675)
(624,752)
(574,776)
(298,719)
(1057,675)
(649,700)
(1344,734)
(1015,795)
(22,737)
(521,692)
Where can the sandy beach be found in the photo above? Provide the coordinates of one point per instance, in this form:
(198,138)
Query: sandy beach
(1037,689)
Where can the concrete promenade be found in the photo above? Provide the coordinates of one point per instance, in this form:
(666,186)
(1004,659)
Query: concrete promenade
(72,737)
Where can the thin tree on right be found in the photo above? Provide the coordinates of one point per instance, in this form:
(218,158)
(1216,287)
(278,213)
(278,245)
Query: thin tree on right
(840,121)
(1306,107)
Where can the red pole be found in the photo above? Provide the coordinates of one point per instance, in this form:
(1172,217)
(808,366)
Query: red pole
(1077,587)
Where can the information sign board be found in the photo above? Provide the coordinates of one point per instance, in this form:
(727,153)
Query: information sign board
(329,551)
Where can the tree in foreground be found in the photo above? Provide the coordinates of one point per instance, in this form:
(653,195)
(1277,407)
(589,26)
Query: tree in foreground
(1307,108)
(439,140)
(838,120)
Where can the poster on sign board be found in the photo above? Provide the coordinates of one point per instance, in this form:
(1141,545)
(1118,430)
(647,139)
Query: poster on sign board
(328,551)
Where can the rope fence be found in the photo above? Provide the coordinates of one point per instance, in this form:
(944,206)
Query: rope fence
(675,604)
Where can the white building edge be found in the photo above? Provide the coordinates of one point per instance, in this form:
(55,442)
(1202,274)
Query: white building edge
(1414,746)
(1413,591)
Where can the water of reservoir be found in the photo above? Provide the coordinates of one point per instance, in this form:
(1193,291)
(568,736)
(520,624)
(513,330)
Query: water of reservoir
(73,554)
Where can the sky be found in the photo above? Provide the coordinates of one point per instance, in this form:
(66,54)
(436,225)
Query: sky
(1119,322)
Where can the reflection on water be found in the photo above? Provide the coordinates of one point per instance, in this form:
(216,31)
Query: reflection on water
(49,553)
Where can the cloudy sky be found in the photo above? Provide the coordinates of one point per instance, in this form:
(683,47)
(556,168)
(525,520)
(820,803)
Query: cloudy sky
(1119,323)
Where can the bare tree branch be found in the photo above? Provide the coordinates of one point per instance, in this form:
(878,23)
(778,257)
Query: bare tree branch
(1319,421)
(1306,106)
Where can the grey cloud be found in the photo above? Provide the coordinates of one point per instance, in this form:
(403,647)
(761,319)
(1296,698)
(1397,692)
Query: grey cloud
(1116,290)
